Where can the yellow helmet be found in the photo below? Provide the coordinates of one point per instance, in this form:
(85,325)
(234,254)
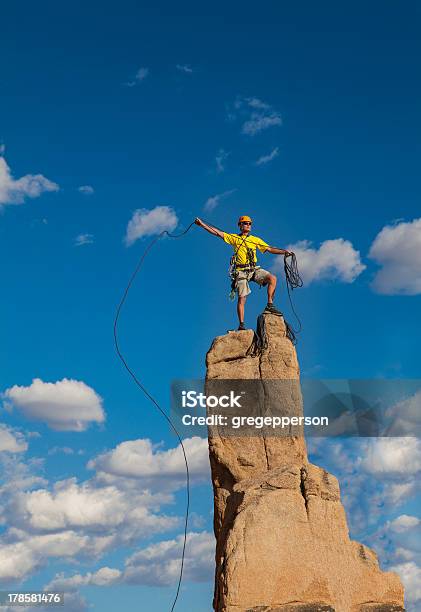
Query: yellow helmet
(244,218)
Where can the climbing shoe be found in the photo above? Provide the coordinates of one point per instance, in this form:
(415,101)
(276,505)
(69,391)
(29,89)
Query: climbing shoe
(271,309)
(241,327)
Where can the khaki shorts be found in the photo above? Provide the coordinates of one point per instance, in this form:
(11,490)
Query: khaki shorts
(258,276)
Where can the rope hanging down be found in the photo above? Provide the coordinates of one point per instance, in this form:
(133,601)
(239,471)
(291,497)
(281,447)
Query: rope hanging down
(150,397)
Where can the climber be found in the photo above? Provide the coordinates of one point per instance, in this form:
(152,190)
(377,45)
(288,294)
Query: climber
(243,264)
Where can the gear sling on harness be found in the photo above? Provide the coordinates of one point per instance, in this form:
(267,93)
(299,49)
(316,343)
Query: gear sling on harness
(235,266)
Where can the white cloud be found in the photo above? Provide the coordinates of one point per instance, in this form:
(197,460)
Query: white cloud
(265,159)
(79,522)
(66,405)
(159,564)
(140,76)
(156,565)
(334,259)
(397,250)
(257,103)
(66,450)
(146,222)
(74,520)
(212,202)
(259,122)
(12,441)
(15,191)
(83,239)
(220,159)
(406,416)
(140,459)
(184,68)
(70,506)
(256,115)
(410,574)
(398,492)
(105,576)
(393,456)
(19,559)
(404,522)
(86,189)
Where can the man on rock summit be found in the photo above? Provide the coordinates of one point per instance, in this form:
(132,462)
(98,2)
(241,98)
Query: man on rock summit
(244,263)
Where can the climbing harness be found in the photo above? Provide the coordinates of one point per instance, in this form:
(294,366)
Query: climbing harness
(293,280)
(234,266)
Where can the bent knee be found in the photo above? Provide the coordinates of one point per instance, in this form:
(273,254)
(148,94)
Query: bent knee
(272,279)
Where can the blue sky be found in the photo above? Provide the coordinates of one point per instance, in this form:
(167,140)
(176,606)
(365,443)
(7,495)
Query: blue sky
(304,117)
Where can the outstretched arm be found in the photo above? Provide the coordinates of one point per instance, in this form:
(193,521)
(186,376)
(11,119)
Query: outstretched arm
(209,228)
(276,251)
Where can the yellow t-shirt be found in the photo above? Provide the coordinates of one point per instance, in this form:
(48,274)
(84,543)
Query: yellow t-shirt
(242,245)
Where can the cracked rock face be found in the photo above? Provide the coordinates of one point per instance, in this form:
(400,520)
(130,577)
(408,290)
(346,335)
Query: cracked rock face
(281,530)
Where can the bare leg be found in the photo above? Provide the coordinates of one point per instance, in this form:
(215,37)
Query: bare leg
(271,284)
(240,308)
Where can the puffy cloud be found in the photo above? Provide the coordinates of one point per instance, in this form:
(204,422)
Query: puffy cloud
(83,239)
(156,565)
(146,222)
(15,191)
(393,456)
(18,559)
(410,574)
(396,249)
(265,159)
(334,259)
(404,522)
(214,201)
(71,521)
(398,492)
(105,576)
(66,405)
(155,468)
(71,506)
(159,564)
(11,440)
(405,416)
(86,189)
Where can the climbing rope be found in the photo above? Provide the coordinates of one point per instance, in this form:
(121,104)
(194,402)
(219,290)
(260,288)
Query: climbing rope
(293,281)
(150,397)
